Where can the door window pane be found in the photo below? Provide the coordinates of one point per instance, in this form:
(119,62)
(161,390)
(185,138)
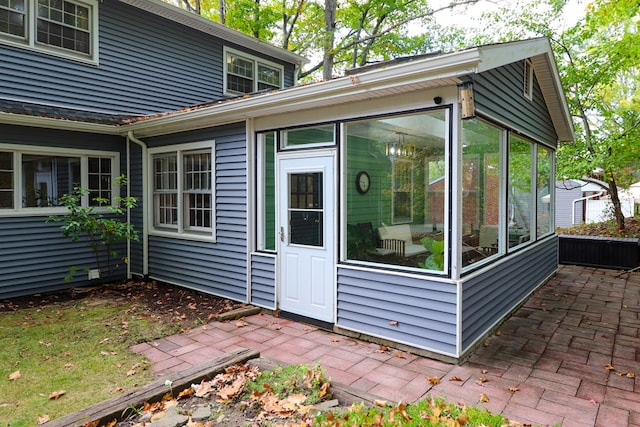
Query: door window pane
(306,221)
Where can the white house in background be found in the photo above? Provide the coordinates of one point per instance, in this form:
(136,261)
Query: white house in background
(580,201)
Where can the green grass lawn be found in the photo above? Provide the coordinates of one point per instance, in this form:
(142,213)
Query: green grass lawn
(80,347)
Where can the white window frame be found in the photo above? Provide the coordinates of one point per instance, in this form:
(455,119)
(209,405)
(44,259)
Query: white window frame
(255,61)
(181,230)
(20,150)
(30,40)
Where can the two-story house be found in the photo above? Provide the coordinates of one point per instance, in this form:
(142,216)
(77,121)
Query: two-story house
(411,201)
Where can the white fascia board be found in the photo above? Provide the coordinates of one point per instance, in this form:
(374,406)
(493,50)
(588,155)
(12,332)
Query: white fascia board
(371,84)
(500,54)
(59,124)
(207,26)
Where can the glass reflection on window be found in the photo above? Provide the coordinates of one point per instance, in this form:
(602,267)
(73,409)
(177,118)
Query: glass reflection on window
(400,218)
(520,200)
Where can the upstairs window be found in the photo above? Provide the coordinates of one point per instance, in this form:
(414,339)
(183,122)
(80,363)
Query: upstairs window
(64,27)
(64,24)
(247,74)
(13,18)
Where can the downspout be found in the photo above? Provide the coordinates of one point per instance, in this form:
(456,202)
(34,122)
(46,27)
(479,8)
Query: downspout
(145,205)
(581,199)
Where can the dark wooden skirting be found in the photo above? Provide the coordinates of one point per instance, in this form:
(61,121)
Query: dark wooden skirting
(114,409)
(599,252)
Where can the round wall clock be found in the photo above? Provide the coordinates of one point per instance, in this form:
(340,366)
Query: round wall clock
(363,182)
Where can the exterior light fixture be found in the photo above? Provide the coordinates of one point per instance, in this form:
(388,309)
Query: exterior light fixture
(467,103)
(399,149)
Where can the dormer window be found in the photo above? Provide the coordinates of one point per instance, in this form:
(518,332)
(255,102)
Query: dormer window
(61,27)
(528,79)
(246,74)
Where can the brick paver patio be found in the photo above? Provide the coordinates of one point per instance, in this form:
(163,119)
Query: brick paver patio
(568,356)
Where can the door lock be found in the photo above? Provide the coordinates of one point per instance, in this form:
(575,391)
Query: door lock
(282,234)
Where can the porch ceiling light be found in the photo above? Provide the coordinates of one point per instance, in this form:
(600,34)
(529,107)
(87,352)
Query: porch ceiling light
(467,103)
(400,149)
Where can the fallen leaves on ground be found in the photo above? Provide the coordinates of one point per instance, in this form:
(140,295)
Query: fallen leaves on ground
(57,394)
(15,375)
(611,368)
(229,386)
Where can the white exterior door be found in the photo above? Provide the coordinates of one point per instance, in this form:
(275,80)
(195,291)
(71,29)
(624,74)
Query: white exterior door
(307,235)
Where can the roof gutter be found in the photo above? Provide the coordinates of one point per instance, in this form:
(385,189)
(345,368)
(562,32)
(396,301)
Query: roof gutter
(368,85)
(59,124)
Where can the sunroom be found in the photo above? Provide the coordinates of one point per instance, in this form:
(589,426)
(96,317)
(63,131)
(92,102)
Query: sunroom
(422,218)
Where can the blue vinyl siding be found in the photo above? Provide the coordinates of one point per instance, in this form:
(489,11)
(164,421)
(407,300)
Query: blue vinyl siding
(497,290)
(218,268)
(263,280)
(34,255)
(425,311)
(148,64)
(499,93)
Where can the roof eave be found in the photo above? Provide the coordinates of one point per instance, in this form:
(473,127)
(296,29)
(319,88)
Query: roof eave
(448,69)
(58,124)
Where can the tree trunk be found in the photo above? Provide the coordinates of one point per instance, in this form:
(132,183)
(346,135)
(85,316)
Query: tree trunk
(256,18)
(615,201)
(221,12)
(330,7)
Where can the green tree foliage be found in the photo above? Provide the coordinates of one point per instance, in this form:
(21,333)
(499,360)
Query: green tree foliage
(336,34)
(600,58)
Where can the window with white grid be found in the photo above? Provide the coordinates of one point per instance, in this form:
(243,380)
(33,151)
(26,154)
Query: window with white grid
(67,28)
(100,178)
(246,74)
(165,191)
(197,190)
(183,190)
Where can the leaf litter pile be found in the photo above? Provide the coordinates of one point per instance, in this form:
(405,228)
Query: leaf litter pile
(241,395)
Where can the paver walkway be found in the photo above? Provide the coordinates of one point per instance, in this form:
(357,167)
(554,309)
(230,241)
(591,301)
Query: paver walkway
(569,356)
